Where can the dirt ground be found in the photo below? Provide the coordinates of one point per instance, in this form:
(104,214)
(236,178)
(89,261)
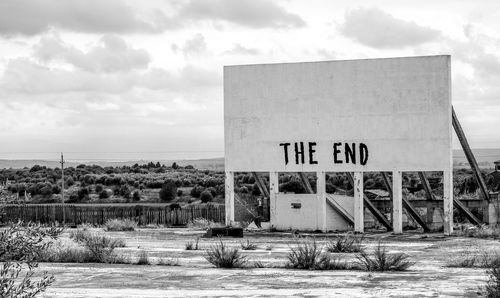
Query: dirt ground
(195,277)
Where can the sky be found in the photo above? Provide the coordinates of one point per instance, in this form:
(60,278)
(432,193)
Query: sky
(126,80)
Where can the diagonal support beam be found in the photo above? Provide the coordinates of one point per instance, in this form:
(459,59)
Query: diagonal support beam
(470,156)
(262,186)
(406,204)
(459,205)
(369,205)
(427,186)
(305,182)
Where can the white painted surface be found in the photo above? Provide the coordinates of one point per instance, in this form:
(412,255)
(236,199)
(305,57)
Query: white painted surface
(273,192)
(309,216)
(397,202)
(321,200)
(359,221)
(229,198)
(447,202)
(399,107)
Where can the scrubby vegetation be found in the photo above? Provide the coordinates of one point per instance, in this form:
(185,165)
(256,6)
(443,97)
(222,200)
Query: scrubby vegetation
(88,246)
(222,256)
(190,245)
(307,254)
(143,258)
(492,288)
(380,260)
(20,247)
(248,245)
(345,243)
(120,225)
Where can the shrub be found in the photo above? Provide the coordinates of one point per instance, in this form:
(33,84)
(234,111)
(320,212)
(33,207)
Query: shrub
(248,245)
(202,223)
(345,243)
(224,257)
(168,262)
(196,191)
(305,255)
(99,188)
(168,191)
(65,251)
(493,285)
(120,225)
(379,260)
(20,246)
(206,196)
(190,245)
(180,192)
(103,194)
(102,248)
(136,196)
(143,258)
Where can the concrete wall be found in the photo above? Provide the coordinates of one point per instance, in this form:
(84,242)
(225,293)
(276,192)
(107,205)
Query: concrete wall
(307,218)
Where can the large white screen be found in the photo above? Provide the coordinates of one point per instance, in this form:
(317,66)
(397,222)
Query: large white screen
(398,108)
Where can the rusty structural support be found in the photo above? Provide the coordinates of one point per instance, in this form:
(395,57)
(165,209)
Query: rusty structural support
(369,205)
(265,192)
(406,204)
(459,205)
(470,156)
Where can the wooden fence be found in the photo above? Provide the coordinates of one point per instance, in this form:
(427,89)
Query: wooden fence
(99,214)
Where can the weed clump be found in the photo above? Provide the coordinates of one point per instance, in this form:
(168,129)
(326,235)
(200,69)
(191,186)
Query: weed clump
(120,225)
(143,258)
(308,255)
(190,245)
(380,260)
(345,243)
(224,257)
(248,245)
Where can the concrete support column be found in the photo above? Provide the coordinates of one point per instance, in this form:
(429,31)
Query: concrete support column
(229,198)
(273,192)
(359,218)
(448,202)
(321,201)
(397,202)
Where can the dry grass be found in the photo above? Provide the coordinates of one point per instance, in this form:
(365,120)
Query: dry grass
(248,245)
(380,260)
(225,257)
(120,225)
(345,243)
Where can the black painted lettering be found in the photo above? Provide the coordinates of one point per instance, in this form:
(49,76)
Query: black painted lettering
(299,152)
(312,150)
(363,154)
(285,148)
(350,153)
(336,151)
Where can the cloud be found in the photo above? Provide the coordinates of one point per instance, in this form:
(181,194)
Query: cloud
(378,29)
(31,17)
(110,55)
(248,13)
(195,46)
(23,76)
(238,49)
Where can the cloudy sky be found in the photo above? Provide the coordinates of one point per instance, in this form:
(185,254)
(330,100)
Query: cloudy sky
(143,79)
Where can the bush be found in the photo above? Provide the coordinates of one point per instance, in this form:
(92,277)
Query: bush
(493,285)
(196,191)
(305,255)
(143,258)
(202,223)
(206,196)
(168,191)
(223,257)
(136,196)
(190,245)
(101,248)
(345,243)
(248,245)
(120,225)
(20,246)
(103,194)
(379,260)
